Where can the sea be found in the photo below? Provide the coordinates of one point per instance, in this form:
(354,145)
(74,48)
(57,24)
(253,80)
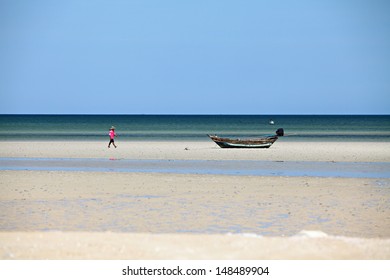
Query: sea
(354,128)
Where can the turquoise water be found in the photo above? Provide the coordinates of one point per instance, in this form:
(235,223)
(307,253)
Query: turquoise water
(193,127)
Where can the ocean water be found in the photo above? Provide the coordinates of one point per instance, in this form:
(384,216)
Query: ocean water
(193,127)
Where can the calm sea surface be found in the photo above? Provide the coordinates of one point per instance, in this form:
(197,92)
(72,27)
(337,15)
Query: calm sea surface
(193,127)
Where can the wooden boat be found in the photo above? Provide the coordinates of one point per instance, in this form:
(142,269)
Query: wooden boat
(263,142)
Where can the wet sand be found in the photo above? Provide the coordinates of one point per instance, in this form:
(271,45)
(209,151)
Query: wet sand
(179,203)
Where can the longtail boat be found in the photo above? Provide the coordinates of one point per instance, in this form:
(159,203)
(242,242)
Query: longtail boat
(262,142)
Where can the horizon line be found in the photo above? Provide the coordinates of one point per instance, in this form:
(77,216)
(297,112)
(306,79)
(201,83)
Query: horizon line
(191,114)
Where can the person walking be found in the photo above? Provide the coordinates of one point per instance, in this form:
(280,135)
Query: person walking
(112,135)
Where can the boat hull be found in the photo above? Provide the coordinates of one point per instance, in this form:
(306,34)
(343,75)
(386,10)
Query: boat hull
(258,143)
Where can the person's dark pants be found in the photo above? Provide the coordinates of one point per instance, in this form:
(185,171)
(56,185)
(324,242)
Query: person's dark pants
(111,141)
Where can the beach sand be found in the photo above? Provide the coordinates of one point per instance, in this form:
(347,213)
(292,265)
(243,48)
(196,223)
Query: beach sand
(204,150)
(108,215)
(136,246)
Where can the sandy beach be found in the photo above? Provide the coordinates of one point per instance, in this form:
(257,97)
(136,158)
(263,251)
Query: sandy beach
(137,246)
(203,150)
(110,215)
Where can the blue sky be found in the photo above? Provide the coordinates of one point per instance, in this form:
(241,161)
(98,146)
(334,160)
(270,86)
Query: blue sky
(195,57)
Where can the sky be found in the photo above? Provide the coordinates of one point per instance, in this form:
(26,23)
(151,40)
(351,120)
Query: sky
(194,57)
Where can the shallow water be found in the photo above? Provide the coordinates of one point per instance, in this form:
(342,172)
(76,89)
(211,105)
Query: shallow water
(216,167)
